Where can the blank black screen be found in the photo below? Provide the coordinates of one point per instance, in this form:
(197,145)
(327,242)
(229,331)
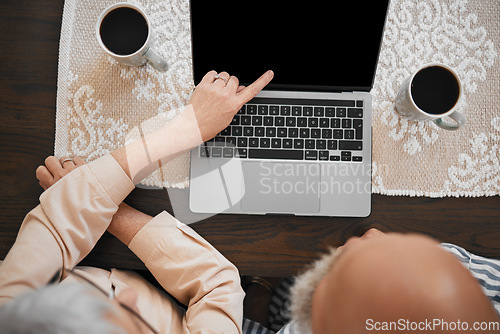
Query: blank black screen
(310,45)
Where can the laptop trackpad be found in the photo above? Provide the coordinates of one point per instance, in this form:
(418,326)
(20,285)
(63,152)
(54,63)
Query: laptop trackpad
(281,187)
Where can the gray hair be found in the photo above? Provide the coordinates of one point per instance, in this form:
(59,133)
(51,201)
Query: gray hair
(304,286)
(57,309)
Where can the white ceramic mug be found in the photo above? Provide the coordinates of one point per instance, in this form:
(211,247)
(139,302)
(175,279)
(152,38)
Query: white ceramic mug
(406,105)
(142,54)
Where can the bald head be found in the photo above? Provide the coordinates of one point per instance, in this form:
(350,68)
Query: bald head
(390,277)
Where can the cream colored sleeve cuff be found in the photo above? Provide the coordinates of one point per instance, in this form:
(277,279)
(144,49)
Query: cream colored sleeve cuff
(146,240)
(112,178)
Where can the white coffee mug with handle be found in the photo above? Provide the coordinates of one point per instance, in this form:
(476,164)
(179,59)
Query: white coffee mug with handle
(137,56)
(436,92)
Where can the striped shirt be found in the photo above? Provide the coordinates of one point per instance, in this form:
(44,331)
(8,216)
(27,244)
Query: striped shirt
(486,271)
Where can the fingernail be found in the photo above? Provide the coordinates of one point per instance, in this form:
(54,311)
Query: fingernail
(271,73)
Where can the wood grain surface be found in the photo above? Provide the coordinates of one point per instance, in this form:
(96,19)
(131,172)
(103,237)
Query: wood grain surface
(258,245)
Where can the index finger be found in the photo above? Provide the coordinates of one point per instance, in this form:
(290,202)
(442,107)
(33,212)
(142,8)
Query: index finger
(252,90)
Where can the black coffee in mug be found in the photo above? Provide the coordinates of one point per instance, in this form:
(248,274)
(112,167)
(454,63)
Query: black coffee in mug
(435,90)
(124,31)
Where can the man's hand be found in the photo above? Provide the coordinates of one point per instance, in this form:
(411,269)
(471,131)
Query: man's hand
(55,169)
(215,103)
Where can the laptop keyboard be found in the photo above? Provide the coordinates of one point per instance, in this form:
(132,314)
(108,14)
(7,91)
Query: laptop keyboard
(292,129)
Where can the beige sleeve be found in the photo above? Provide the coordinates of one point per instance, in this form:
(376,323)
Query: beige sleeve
(194,272)
(72,216)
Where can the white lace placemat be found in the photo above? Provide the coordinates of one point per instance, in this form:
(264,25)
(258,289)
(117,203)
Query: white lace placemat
(100,102)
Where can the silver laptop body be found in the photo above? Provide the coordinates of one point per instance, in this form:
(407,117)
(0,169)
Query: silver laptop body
(332,175)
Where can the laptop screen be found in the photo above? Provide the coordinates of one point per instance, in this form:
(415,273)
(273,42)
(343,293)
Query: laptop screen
(310,45)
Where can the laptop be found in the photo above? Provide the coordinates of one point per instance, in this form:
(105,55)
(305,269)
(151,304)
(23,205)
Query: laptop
(303,145)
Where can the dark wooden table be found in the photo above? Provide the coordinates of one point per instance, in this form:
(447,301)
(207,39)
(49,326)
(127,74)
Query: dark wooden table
(258,245)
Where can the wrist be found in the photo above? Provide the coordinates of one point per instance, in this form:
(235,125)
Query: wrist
(126,222)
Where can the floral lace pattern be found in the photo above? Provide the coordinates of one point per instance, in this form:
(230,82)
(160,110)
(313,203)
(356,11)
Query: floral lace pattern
(101,103)
(418,158)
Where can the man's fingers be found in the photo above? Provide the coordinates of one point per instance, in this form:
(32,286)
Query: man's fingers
(240,88)
(249,92)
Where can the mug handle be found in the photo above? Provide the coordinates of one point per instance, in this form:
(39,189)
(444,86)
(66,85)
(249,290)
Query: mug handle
(459,118)
(156,60)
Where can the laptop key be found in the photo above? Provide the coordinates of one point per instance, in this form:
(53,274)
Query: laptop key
(350,145)
(311,155)
(259,132)
(235,120)
(279,121)
(242,142)
(268,121)
(301,122)
(253,142)
(310,144)
(287,143)
(231,141)
(334,157)
(217,152)
(281,132)
(313,122)
(338,134)
(305,133)
(270,132)
(242,152)
(296,111)
(285,110)
(326,133)
(220,141)
(251,109)
(226,131)
(265,142)
(345,156)
(357,124)
(341,112)
(246,120)
(324,122)
(307,111)
(227,152)
(274,110)
(263,110)
(276,154)
(276,143)
(293,132)
(355,113)
(204,151)
(319,111)
(330,112)
(237,131)
(335,123)
(349,134)
(346,123)
(256,120)
(298,143)
(248,131)
(291,121)
(324,155)
(321,144)
(315,133)
(332,145)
